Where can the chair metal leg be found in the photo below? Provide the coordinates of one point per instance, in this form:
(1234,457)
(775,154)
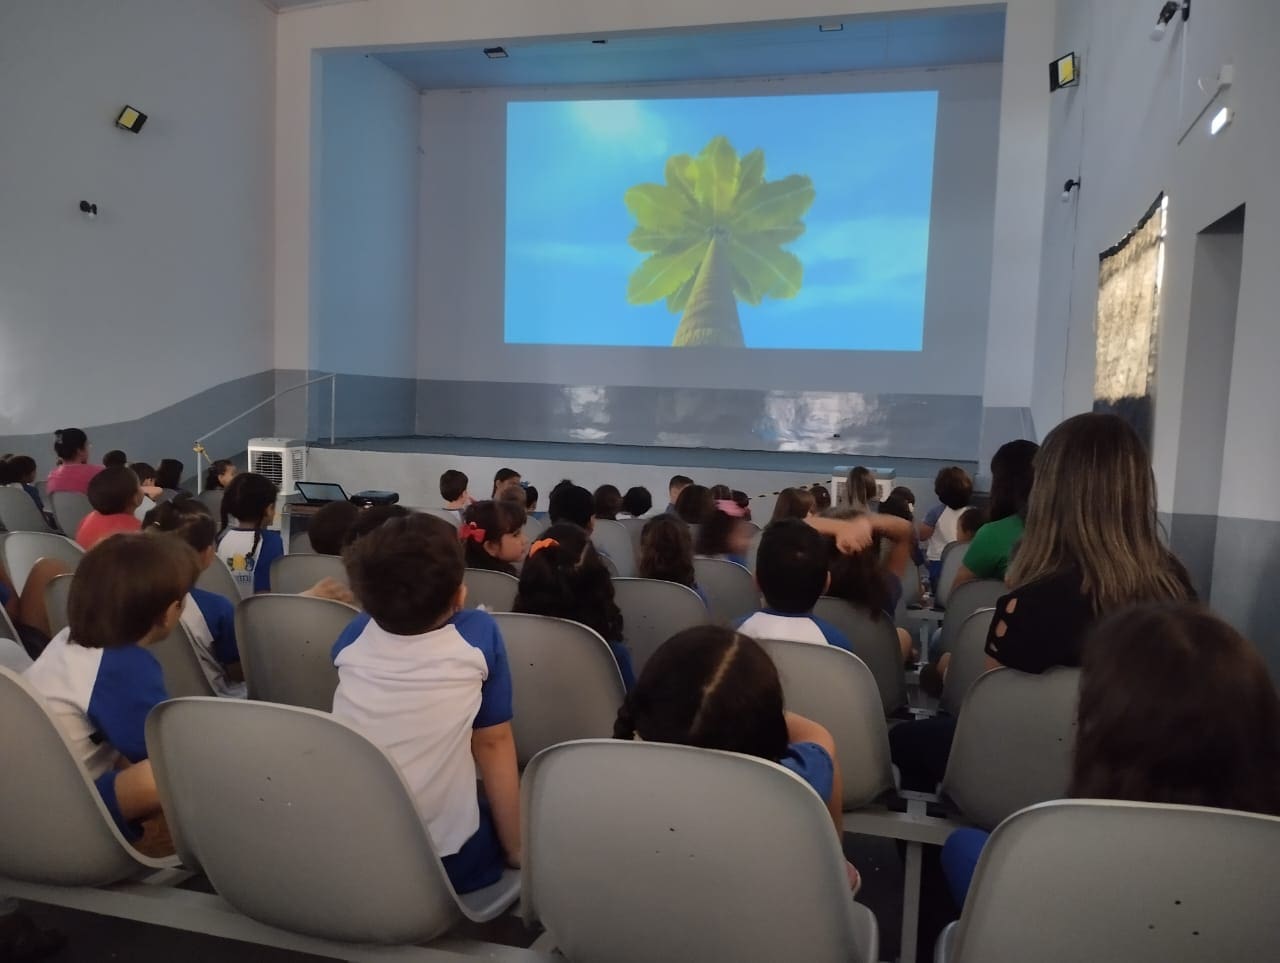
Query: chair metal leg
(911,902)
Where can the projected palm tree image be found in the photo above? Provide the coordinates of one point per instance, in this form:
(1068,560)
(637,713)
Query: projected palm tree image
(716,232)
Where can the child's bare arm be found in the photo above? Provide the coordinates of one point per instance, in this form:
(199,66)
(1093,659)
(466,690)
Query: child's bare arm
(800,729)
(494,749)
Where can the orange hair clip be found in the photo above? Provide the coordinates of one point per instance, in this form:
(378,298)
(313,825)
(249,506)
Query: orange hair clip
(538,546)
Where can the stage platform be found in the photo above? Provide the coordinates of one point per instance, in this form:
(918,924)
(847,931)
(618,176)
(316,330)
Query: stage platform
(412,466)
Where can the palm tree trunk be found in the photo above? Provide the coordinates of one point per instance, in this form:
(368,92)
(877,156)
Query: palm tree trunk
(711,316)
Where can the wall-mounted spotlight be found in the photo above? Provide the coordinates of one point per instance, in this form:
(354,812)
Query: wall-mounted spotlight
(1064,72)
(130,119)
(89,210)
(1166,15)
(496,53)
(1071,185)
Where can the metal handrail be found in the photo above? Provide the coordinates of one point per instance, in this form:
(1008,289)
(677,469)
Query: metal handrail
(199,448)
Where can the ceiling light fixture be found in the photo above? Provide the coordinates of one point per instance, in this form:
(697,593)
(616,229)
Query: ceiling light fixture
(1166,15)
(495,53)
(1220,120)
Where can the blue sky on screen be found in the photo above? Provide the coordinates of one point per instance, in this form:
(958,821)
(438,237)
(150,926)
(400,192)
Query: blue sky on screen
(865,249)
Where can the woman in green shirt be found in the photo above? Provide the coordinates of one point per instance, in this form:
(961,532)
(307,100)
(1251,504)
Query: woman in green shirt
(1011,477)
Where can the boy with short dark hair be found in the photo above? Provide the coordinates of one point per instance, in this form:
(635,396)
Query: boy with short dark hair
(636,503)
(968,523)
(453,489)
(115,458)
(677,484)
(503,478)
(115,495)
(792,573)
(330,525)
(573,504)
(428,682)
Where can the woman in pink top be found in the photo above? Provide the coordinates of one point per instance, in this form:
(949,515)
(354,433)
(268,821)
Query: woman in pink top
(74,472)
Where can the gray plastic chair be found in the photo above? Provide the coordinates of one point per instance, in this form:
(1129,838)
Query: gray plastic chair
(70,509)
(444,514)
(966,599)
(635,529)
(294,574)
(968,659)
(496,591)
(18,513)
(1013,743)
(952,559)
(57,829)
(628,859)
(875,642)
(21,550)
(286,643)
(213,501)
(836,690)
(300,822)
(12,655)
(183,676)
(731,591)
(534,527)
(565,682)
(653,611)
(613,540)
(1107,880)
(300,544)
(56,594)
(218,579)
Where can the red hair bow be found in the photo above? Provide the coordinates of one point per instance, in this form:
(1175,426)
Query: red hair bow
(471,532)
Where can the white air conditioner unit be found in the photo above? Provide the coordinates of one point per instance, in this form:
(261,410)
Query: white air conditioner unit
(280,459)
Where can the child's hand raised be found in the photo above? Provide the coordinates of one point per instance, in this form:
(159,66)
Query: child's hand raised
(854,535)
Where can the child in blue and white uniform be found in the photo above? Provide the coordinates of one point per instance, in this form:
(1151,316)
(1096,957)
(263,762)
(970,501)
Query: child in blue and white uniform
(725,533)
(208,616)
(718,689)
(954,489)
(428,682)
(97,677)
(791,570)
(248,545)
(566,578)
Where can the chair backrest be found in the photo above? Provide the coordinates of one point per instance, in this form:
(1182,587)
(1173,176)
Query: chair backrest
(57,829)
(534,527)
(875,642)
(613,539)
(12,655)
(444,514)
(653,611)
(213,501)
(1107,880)
(966,599)
(754,549)
(286,643)
(952,559)
(294,574)
(21,550)
(217,578)
(56,594)
(18,513)
(635,528)
(496,591)
(968,659)
(634,852)
(731,591)
(298,821)
(70,509)
(836,689)
(300,544)
(1013,743)
(565,682)
(183,675)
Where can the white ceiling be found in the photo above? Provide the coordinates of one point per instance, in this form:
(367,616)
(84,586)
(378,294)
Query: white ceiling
(935,39)
(280,5)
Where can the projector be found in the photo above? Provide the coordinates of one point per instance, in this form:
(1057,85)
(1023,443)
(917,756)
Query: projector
(372,497)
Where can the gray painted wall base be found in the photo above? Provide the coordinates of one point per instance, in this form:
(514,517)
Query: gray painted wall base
(1246,582)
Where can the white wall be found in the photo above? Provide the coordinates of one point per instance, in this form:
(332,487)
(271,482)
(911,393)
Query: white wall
(169,291)
(1119,133)
(463,245)
(364,275)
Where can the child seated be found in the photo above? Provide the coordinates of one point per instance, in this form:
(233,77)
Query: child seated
(453,491)
(115,495)
(677,485)
(608,502)
(717,689)
(666,553)
(428,682)
(791,571)
(330,525)
(565,577)
(492,535)
(725,533)
(208,616)
(636,503)
(967,525)
(794,503)
(19,471)
(248,545)
(573,504)
(97,677)
(954,488)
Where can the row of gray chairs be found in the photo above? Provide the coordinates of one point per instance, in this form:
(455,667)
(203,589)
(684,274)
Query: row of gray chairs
(18,513)
(19,552)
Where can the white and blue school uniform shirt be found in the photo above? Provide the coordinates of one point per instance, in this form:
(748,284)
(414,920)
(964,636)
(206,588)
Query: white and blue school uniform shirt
(419,697)
(250,567)
(813,764)
(211,620)
(772,624)
(100,698)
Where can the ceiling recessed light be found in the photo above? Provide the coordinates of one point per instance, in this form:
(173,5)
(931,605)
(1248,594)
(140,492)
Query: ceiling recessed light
(600,41)
(495,53)
(830,27)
